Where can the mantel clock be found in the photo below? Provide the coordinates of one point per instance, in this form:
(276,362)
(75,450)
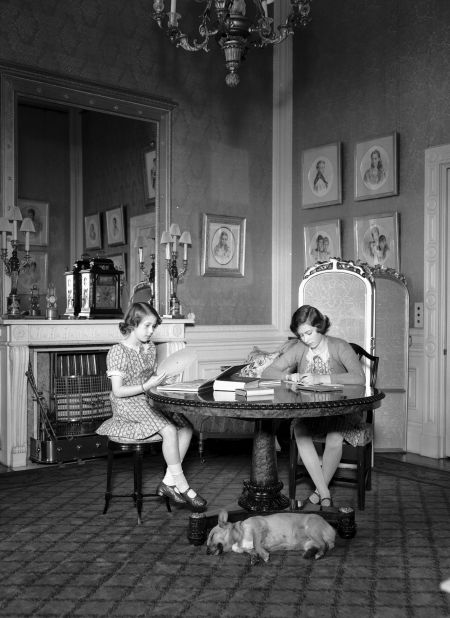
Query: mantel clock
(100,290)
(73,286)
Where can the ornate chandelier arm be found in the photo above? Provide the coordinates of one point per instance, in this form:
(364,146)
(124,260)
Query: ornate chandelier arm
(179,38)
(298,16)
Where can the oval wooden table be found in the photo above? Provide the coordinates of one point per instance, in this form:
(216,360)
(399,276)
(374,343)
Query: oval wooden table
(262,493)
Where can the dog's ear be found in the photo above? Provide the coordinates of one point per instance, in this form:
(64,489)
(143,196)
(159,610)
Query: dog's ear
(223,518)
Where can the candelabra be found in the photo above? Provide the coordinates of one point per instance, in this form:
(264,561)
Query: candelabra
(150,274)
(170,239)
(12,264)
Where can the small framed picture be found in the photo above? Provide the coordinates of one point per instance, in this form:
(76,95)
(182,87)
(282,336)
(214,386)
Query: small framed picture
(223,246)
(376,167)
(115,227)
(322,241)
(150,173)
(92,231)
(38,213)
(321,176)
(377,240)
(36,274)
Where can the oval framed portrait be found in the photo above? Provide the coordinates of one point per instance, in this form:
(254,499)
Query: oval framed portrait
(223,245)
(321,176)
(376,167)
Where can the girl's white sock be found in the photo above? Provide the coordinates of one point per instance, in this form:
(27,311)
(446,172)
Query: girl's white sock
(176,471)
(168,478)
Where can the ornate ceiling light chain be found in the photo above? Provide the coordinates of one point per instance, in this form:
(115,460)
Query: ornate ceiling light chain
(234,31)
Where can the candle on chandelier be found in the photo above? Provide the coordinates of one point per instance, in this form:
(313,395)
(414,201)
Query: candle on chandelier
(141,255)
(173,6)
(3,240)
(27,242)
(14,235)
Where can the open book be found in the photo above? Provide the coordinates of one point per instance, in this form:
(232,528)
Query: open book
(319,388)
(191,386)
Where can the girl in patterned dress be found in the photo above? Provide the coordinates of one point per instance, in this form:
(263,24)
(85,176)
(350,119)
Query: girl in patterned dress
(319,358)
(131,367)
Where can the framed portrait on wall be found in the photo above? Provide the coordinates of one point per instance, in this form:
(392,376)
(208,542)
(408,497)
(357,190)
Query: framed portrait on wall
(38,213)
(376,167)
(322,241)
(92,231)
(223,246)
(377,240)
(115,226)
(150,173)
(35,275)
(321,176)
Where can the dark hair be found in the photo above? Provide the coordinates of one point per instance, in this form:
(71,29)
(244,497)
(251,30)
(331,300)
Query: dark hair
(306,314)
(134,315)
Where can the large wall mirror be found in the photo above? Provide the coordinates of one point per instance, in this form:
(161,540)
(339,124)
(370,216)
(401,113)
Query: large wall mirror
(74,153)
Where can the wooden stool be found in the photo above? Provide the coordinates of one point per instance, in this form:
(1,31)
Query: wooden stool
(138,448)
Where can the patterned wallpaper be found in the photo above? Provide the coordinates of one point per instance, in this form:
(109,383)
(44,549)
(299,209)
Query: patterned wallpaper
(370,68)
(221,137)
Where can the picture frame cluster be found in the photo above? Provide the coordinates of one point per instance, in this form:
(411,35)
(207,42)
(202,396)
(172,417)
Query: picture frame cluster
(376,236)
(115,229)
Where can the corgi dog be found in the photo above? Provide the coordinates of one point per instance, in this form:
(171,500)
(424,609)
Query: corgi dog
(260,535)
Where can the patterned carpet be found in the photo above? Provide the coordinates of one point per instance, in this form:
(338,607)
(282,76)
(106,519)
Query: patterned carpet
(61,557)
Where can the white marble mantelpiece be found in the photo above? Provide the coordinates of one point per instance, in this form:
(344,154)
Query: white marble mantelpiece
(21,338)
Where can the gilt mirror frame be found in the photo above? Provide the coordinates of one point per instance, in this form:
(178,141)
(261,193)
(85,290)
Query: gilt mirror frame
(19,83)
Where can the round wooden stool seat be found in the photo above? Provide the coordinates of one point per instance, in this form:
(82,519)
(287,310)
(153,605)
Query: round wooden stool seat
(138,448)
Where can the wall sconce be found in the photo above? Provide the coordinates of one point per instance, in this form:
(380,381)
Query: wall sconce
(13,266)
(171,238)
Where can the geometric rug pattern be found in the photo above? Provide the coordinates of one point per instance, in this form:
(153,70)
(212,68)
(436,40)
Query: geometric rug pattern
(60,556)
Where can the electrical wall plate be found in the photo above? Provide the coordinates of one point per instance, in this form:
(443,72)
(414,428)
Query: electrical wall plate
(418,315)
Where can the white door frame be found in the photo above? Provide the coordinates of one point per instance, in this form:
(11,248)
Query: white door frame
(435,427)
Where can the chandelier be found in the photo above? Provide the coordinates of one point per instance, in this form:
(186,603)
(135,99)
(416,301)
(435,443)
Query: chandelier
(236,25)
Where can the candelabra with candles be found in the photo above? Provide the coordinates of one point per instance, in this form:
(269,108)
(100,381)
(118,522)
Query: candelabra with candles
(171,238)
(150,274)
(12,264)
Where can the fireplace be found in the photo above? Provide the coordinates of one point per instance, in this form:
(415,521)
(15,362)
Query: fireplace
(77,403)
(24,341)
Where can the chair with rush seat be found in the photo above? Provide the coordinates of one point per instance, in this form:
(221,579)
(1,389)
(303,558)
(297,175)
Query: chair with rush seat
(138,448)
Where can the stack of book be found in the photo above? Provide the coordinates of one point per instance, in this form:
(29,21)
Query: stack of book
(255,392)
(232,383)
(227,381)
